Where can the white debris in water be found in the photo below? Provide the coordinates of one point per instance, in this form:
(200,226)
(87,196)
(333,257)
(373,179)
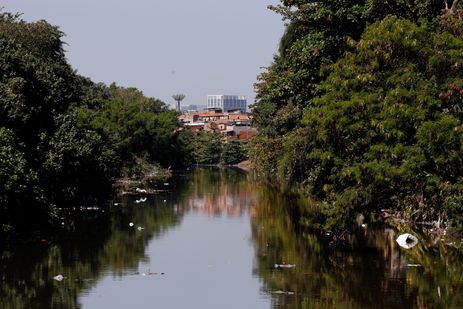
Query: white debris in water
(285,265)
(141,200)
(407,241)
(283,292)
(131,224)
(58,278)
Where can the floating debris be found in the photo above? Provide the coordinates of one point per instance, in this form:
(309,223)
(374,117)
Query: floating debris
(283,292)
(131,224)
(141,200)
(149,273)
(140,190)
(58,278)
(140,228)
(407,241)
(166,183)
(414,265)
(285,265)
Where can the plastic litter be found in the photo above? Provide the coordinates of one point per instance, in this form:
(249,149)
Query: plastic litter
(407,241)
(140,190)
(131,224)
(285,265)
(141,200)
(58,278)
(283,292)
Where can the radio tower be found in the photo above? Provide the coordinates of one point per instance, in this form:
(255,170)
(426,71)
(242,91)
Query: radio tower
(178,98)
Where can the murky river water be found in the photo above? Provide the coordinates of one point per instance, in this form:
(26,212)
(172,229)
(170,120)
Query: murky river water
(216,239)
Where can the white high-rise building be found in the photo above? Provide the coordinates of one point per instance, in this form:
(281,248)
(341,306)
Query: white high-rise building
(227,102)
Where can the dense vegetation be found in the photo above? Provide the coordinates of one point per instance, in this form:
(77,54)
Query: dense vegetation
(63,138)
(210,148)
(363,107)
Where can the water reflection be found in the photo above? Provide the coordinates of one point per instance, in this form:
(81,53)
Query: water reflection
(202,216)
(98,242)
(219,192)
(102,242)
(370,271)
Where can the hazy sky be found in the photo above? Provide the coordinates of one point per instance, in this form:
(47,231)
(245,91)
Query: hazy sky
(164,47)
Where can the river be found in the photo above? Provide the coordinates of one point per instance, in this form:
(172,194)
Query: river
(215,238)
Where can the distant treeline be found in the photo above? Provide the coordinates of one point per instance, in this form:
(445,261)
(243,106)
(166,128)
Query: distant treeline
(363,107)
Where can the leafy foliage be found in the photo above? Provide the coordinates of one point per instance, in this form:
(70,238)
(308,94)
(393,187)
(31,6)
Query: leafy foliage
(19,189)
(385,133)
(233,152)
(207,147)
(139,126)
(364,118)
(63,138)
(81,163)
(211,148)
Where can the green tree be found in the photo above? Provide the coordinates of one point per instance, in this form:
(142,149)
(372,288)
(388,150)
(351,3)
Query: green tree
(21,198)
(139,126)
(317,33)
(233,152)
(387,128)
(207,147)
(82,164)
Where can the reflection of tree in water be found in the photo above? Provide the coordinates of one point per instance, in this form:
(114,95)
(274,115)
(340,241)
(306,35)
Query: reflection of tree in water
(104,243)
(216,192)
(370,271)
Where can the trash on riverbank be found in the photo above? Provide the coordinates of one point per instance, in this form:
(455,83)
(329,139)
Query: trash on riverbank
(283,292)
(285,265)
(407,241)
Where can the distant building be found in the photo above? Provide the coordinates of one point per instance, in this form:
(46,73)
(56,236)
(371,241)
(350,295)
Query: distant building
(233,125)
(227,102)
(189,108)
